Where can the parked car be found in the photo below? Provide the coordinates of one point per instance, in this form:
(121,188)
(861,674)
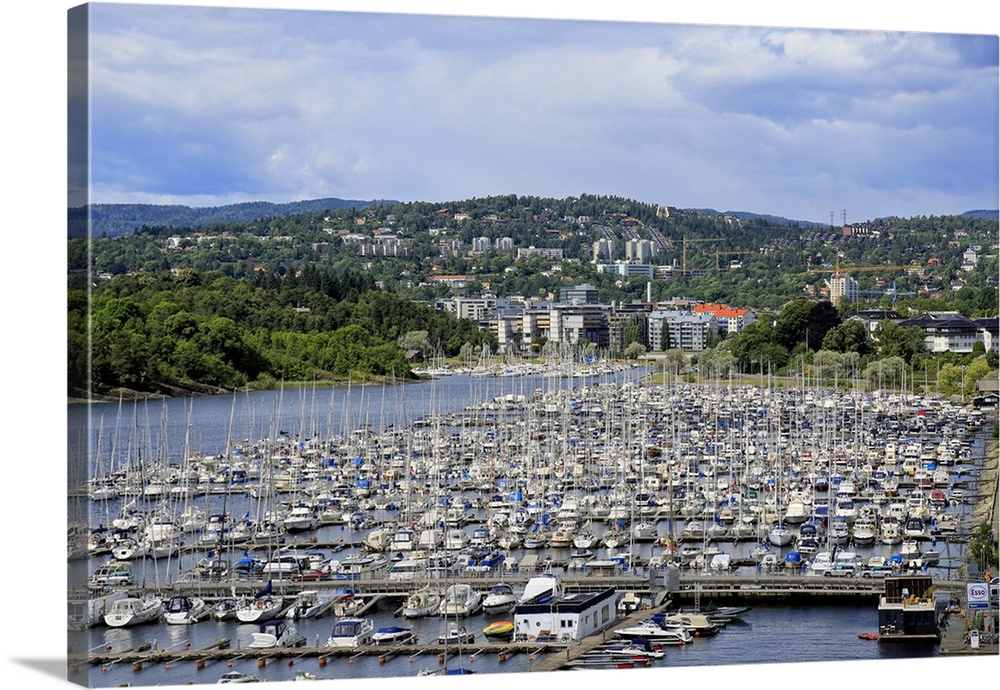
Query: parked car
(842,570)
(877,571)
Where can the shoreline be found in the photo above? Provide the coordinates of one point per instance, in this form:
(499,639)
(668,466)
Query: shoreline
(131,395)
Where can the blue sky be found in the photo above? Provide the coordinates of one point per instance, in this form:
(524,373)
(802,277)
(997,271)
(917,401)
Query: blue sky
(209,105)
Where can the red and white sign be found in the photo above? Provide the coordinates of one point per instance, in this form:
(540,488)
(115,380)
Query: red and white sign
(977,595)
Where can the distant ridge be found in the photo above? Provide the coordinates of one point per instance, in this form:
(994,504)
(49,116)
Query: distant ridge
(988,215)
(746,215)
(115,220)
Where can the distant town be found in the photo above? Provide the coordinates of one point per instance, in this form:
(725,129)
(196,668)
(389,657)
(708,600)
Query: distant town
(601,275)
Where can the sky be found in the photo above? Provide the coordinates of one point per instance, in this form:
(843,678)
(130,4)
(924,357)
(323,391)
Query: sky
(35,142)
(214,105)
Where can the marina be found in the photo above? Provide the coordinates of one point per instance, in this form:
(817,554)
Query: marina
(349,502)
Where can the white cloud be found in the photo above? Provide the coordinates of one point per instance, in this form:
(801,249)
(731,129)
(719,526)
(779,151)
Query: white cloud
(279,104)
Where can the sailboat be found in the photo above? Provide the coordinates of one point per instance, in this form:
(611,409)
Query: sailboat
(264,606)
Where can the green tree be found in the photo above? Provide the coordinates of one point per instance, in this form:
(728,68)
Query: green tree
(757,347)
(416,340)
(897,341)
(849,336)
(888,373)
(634,350)
(790,328)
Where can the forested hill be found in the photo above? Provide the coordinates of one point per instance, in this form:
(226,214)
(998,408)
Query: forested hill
(115,220)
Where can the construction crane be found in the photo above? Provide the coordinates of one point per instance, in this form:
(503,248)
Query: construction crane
(684,250)
(839,272)
(718,254)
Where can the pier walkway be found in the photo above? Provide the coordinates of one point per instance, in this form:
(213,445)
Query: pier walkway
(775,587)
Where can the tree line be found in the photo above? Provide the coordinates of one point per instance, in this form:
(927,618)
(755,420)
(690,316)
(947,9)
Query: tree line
(811,338)
(193,331)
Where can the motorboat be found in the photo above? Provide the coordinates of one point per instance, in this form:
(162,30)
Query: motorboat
(891,534)
(378,540)
(484,561)
(797,512)
(354,565)
(914,528)
(442,565)
(648,630)
(403,540)
(424,602)
(500,599)
(301,518)
(481,538)
(541,589)
(276,633)
(562,537)
(430,539)
(698,624)
(456,635)
(236,677)
(863,533)
(309,604)
(584,539)
(636,648)
(125,613)
(693,531)
(183,610)
(644,531)
(351,632)
(720,615)
(460,600)
(909,548)
(630,603)
(499,630)
(456,539)
(393,634)
(840,530)
(288,563)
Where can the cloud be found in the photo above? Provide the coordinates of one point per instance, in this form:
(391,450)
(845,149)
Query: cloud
(235,104)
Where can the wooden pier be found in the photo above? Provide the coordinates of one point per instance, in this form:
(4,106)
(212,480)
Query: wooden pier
(144,655)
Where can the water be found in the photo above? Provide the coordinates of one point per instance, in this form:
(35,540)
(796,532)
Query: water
(766,635)
(208,425)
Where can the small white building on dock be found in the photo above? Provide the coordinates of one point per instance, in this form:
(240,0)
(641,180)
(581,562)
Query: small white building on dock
(569,618)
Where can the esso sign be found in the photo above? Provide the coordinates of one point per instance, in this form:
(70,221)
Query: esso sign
(978,595)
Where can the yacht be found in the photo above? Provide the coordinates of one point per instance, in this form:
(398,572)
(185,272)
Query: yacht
(500,599)
(276,633)
(351,632)
(460,600)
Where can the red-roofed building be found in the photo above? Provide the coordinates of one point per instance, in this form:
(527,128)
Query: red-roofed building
(729,319)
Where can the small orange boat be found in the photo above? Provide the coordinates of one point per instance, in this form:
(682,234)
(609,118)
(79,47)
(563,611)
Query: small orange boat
(868,635)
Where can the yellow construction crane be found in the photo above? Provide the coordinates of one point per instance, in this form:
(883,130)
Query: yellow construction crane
(839,272)
(684,250)
(718,254)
